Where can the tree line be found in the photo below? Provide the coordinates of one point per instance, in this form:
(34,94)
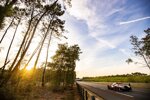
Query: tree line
(133,77)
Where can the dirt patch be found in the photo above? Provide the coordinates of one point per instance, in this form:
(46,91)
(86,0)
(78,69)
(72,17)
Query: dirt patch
(72,94)
(40,93)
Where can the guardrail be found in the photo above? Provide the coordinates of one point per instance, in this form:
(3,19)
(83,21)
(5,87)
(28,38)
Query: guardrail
(87,94)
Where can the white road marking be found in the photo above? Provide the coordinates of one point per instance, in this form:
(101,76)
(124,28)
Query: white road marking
(125,94)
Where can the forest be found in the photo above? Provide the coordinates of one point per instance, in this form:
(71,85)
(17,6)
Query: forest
(37,22)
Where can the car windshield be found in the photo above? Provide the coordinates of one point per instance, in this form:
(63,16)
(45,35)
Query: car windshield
(113,83)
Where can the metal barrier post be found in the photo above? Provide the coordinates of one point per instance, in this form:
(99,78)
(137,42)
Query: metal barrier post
(86,96)
(92,98)
(82,94)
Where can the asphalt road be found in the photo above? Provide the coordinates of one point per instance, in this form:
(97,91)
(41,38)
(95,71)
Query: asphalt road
(142,93)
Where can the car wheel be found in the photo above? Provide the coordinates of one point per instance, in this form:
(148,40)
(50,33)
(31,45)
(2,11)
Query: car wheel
(108,87)
(116,88)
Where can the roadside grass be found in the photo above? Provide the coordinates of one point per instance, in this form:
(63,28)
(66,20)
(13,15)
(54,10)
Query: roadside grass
(72,94)
(134,79)
(36,92)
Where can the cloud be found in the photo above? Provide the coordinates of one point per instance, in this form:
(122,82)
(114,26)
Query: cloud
(132,21)
(95,18)
(114,11)
(124,52)
(106,43)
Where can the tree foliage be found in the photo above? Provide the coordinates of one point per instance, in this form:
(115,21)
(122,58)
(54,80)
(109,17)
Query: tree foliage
(146,42)
(6,10)
(64,63)
(142,47)
(39,18)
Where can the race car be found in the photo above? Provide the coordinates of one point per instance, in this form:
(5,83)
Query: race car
(120,87)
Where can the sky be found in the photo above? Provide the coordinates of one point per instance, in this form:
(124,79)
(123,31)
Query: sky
(102,29)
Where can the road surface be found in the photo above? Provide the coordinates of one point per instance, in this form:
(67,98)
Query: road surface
(142,93)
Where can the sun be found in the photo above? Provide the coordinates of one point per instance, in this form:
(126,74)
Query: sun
(29,67)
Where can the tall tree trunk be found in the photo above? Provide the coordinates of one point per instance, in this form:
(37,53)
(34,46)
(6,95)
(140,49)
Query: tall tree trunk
(36,49)
(24,52)
(142,54)
(23,41)
(64,79)
(38,55)
(146,61)
(7,30)
(43,75)
(6,63)
(27,39)
(16,67)
(148,57)
(42,43)
(9,48)
(23,70)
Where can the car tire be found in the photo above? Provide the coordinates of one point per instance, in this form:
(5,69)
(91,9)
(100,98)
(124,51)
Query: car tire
(108,87)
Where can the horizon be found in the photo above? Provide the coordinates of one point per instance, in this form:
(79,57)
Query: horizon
(111,75)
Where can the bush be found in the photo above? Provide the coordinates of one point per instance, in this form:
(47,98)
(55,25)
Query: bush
(5,94)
